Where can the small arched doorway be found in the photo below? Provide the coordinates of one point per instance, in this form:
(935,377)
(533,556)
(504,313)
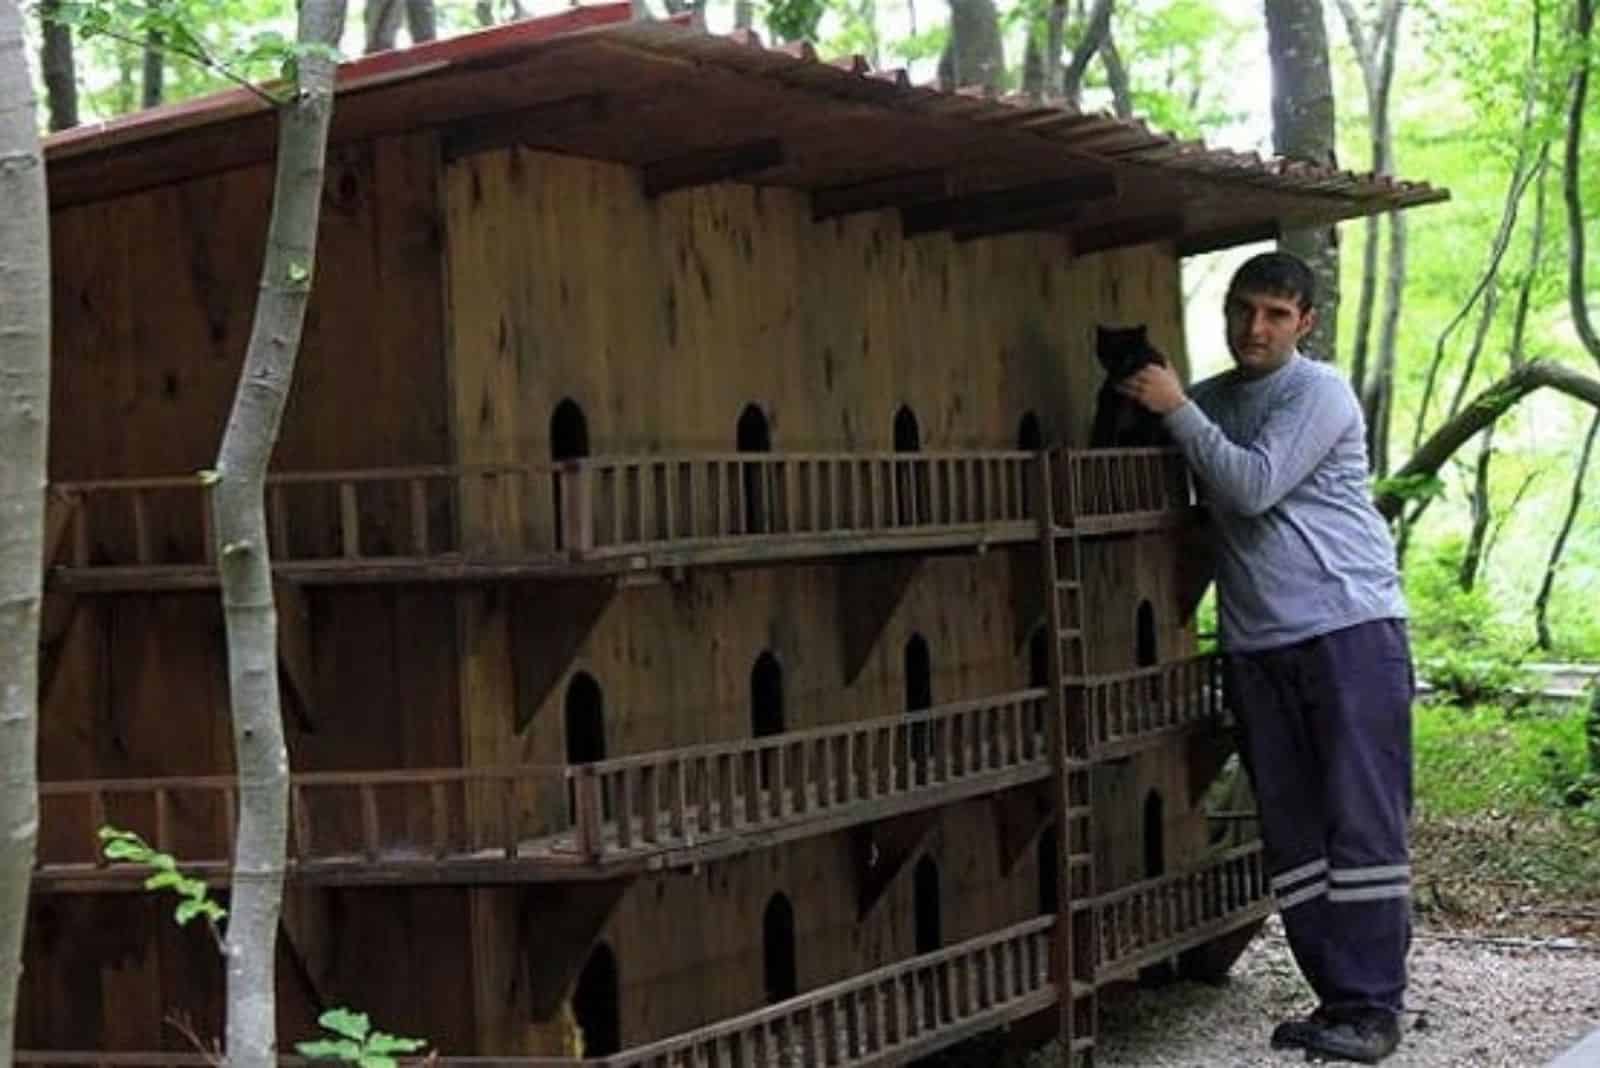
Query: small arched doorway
(596,1003)
(929,921)
(1030,438)
(1155,829)
(754,434)
(911,478)
(778,952)
(766,708)
(569,440)
(1049,872)
(585,724)
(1145,652)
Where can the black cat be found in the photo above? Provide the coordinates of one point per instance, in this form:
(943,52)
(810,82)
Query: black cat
(1121,423)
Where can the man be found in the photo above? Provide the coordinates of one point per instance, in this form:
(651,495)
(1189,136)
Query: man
(1318,666)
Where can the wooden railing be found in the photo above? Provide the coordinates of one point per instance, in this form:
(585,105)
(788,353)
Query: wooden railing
(613,505)
(1158,917)
(378,515)
(1103,490)
(884,1016)
(1130,709)
(697,802)
(848,773)
(422,817)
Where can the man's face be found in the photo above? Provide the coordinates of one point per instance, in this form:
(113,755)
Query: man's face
(1263,329)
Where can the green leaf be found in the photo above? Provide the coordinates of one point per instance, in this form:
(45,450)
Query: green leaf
(298,273)
(119,849)
(329,1049)
(161,880)
(187,910)
(383,1042)
(341,1021)
(209,477)
(375,1060)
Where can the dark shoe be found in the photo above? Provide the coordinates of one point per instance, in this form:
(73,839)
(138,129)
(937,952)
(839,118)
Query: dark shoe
(1366,1038)
(1295,1033)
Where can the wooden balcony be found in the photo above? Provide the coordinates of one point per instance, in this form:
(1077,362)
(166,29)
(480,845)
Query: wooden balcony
(887,1016)
(591,516)
(1112,491)
(1112,716)
(631,814)
(1158,918)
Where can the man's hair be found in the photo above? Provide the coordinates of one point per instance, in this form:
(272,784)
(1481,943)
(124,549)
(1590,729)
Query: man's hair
(1282,274)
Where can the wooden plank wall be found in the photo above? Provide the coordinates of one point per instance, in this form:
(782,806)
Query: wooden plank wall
(663,320)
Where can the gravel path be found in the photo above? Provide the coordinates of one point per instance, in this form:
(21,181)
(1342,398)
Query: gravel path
(1474,1006)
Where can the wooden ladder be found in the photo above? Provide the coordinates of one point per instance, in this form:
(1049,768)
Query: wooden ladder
(1076,936)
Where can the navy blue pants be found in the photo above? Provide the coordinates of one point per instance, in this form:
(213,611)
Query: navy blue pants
(1325,734)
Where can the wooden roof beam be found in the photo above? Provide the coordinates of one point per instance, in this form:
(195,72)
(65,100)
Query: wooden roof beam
(1122,233)
(996,207)
(1227,237)
(890,191)
(703,167)
(1051,217)
(536,125)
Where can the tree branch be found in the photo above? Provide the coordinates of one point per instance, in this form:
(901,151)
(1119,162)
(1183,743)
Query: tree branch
(1095,32)
(1541,602)
(1117,77)
(1487,407)
(1572,191)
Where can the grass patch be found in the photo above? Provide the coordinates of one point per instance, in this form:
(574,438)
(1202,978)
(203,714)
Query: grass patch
(1507,812)
(1485,760)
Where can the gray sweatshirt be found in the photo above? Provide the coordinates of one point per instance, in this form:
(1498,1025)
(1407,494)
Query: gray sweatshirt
(1282,466)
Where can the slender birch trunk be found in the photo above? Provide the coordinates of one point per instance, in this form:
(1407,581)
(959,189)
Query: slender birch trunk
(1541,602)
(24,423)
(238,506)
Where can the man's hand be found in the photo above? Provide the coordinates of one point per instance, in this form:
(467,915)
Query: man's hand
(1154,387)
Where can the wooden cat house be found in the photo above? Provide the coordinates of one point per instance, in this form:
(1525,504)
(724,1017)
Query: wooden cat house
(705,636)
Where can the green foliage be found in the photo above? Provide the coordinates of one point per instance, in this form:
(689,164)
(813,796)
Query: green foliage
(1482,759)
(1410,488)
(355,1042)
(795,20)
(1459,644)
(194,895)
(219,49)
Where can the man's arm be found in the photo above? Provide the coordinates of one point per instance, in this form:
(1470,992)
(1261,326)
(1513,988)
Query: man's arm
(1249,479)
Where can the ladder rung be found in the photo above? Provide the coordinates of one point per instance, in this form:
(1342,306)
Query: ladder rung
(1069,584)
(1080,860)
(1081,989)
(1070,633)
(1082,1045)
(1078,812)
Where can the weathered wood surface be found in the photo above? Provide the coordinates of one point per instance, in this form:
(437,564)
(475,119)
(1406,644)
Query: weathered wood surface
(888,1015)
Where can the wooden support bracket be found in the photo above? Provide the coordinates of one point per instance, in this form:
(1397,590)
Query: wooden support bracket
(57,611)
(890,191)
(1029,609)
(870,592)
(1087,240)
(1227,237)
(533,125)
(996,206)
(882,851)
(710,165)
(296,658)
(550,621)
(1206,751)
(559,923)
(60,509)
(1019,816)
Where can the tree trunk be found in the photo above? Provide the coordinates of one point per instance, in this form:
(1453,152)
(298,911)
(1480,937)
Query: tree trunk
(485,11)
(1571,186)
(1541,602)
(1093,34)
(239,516)
(1117,77)
(1055,39)
(1302,129)
(155,72)
(57,65)
(974,56)
(1382,414)
(1482,513)
(743,16)
(382,22)
(1486,408)
(24,418)
(421,22)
